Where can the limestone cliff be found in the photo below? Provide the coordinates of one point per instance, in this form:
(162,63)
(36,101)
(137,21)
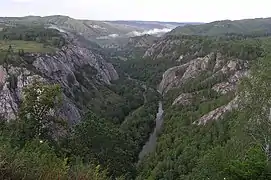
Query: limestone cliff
(75,67)
(142,41)
(215,71)
(208,68)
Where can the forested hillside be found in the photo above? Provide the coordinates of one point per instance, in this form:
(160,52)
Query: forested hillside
(254,27)
(66,112)
(71,109)
(216,120)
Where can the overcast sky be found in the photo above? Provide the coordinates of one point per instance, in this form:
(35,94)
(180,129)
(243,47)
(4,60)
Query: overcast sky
(163,10)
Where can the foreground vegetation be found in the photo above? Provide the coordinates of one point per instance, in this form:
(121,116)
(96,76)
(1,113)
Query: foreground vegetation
(98,148)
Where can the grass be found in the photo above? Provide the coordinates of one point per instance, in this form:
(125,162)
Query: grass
(27,46)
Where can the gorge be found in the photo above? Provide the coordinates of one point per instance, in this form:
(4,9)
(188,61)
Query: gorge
(191,104)
(149,147)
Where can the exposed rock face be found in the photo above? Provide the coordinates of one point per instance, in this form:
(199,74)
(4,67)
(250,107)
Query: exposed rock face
(213,64)
(184,99)
(74,66)
(13,81)
(220,73)
(219,112)
(178,75)
(142,41)
(231,83)
(163,48)
(74,58)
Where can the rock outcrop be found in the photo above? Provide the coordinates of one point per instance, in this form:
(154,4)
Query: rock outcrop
(218,113)
(183,99)
(214,71)
(231,83)
(73,58)
(164,48)
(141,41)
(213,67)
(74,66)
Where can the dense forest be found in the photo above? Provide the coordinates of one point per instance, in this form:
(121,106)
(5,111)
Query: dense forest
(120,116)
(234,147)
(117,124)
(250,27)
(97,148)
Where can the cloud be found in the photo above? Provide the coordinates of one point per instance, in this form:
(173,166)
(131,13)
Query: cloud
(110,36)
(154,31)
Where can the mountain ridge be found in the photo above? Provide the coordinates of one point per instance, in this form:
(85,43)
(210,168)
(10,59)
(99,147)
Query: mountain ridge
(244,26)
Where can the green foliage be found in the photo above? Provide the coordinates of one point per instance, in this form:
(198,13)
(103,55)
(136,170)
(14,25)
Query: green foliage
(146,70)
(115,148)
(151,69)
(250,27)
(80,171)
(132,94)
(234,147)
(107,142)
(12,80)
(140,123)
(38,160)
(36,118)
(25,39)
(27,149)
(252,166)
(34,161)
(25,46)
(97,140)
(32,33)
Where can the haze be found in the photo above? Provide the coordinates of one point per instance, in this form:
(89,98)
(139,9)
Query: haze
(161,10)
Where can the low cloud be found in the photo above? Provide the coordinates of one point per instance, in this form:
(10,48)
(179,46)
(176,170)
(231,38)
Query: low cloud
(110,36)
(156,32)
(150,32)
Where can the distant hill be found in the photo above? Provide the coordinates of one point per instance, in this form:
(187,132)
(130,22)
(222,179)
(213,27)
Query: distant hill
(105,33)
(93,28)
(246,26)
(153,24)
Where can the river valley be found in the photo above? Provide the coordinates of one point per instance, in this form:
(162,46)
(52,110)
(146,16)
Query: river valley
(151,143)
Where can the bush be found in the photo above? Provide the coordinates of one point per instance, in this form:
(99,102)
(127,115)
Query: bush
(34,161)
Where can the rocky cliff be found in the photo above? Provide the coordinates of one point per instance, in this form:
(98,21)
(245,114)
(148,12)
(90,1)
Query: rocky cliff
(144,41)
(75,67)
(210,67)
(202,65)
(215,71)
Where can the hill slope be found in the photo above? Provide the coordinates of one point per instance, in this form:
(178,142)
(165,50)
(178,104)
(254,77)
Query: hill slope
(208,127)
(258,26)
(92,28)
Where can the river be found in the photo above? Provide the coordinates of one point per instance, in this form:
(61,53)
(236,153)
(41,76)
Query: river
(151,143)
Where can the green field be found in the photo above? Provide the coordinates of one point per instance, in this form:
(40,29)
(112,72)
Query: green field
(27,46)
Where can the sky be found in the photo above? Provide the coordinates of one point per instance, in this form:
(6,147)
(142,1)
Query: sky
(159,10)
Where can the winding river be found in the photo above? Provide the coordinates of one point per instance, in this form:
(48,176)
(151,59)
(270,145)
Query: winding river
(151,143)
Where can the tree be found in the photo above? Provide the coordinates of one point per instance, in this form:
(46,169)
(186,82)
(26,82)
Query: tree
(99,141)
(257,103)
(252,166)
(21,52)
(36,114)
